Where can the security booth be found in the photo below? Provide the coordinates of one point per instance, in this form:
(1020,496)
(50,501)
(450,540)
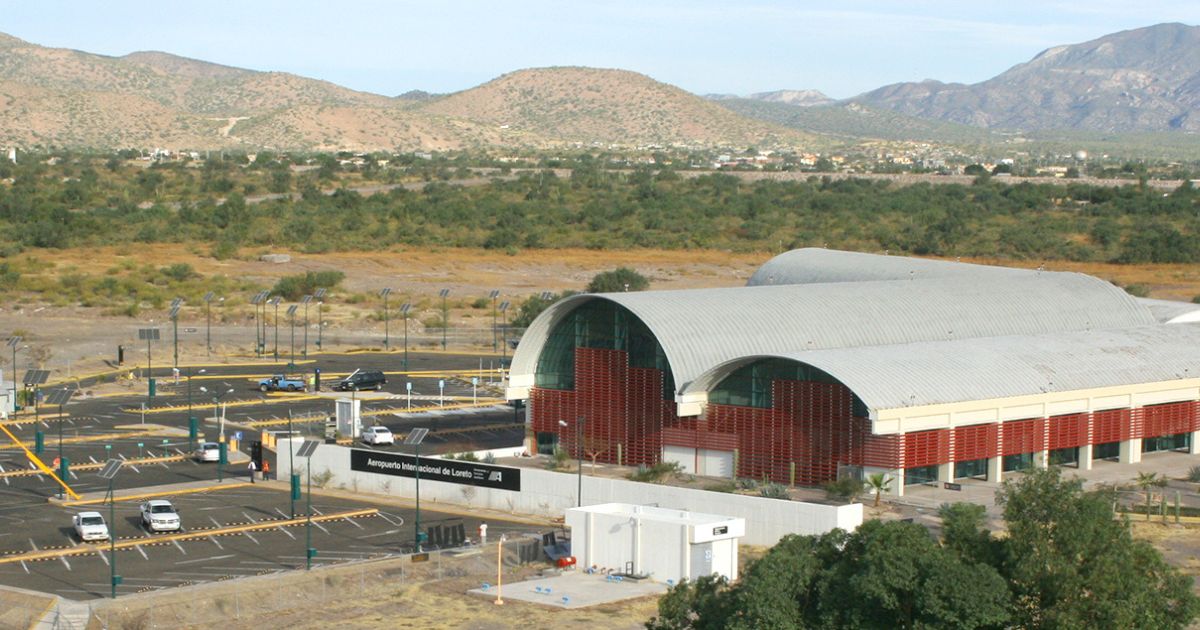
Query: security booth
(661,544)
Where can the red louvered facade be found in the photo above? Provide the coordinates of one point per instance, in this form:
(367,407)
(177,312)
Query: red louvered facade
(809,429)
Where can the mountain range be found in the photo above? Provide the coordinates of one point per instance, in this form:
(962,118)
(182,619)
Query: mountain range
(1142,80)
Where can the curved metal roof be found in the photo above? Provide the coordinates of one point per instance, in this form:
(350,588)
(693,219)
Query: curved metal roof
(699,329)
(999,367)
(1171,312)
(813,265)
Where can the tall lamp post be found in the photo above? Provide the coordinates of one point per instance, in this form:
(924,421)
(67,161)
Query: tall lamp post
(404,309)
(174,313)
(216,398)
(193,423)
(579,454)
(445,316)
(494,294)
(291,313)
(275,302)
(504,335)
(320,295)
(208,298)
(13,342)
(414,439)
(257,301)
(386,334)
(305,300)
(149,334)
(108,472)
(306,451)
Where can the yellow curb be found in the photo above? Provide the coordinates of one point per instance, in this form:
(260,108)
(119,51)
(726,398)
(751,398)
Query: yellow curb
(232,403)
(91,438)
(96,466)
(126,544)
(148,495)
(38,620)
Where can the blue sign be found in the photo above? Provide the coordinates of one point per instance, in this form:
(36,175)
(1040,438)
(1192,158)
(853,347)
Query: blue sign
(237,435)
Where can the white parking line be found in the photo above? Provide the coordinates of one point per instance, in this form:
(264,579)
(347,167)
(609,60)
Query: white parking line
(214,541)
(207,559)
(179,547)
(142,551)
(65,563)
(320,527)
(284,530)
(351,521)
(33,544)
(102,556)
(25,566)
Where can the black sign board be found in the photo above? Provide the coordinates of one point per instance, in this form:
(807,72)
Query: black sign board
(448,470)
(952,486)
(717,531)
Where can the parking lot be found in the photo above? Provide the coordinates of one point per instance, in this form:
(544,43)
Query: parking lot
(230,528)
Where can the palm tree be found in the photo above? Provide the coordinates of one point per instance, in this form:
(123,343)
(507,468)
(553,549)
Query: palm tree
(1146,481)
(879,482)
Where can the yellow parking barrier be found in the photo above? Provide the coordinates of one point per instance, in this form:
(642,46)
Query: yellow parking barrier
(165,493)
(37,462)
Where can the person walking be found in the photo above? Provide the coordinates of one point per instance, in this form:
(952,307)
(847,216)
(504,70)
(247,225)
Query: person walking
(483,533)
(253,469)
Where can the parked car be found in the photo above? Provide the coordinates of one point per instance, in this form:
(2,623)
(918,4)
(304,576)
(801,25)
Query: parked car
(90,526)
(159,515)
(360,380)
(279,382)
(207,452)
(378,435)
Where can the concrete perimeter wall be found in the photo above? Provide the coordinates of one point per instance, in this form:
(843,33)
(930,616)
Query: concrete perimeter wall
(546,493)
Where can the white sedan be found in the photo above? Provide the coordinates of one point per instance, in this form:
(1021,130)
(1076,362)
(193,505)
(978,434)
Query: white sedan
(378,435)
(208,452)
(90,526)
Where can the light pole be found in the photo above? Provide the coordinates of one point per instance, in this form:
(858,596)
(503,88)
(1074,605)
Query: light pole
(504,336)
(384,294)
(404,309)
(579,454)
(217,396)
(494,294)
(414,439)
(320,295)
(445,316)
(305,300)
(193,425)
(208,298)
(275,302)
(13,342)
(109,472)
(291,312)
(149,334)
(257,300)
(175,304)
(306,451)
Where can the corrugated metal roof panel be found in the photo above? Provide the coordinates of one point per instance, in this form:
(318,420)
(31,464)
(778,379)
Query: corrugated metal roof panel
(937,372)
(700,329)
(814,265)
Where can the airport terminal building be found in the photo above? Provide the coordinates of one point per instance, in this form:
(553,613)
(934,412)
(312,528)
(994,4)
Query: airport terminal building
(831,363)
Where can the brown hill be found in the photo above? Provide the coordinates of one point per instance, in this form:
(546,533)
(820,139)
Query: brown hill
(590,105)
(61,97)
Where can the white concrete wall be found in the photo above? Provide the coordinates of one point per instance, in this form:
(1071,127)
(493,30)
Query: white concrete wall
(546,493)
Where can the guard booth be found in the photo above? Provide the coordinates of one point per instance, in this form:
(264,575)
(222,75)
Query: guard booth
(349,417)
(656,543)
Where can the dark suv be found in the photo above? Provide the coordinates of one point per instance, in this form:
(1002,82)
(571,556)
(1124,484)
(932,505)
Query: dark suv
(361,379)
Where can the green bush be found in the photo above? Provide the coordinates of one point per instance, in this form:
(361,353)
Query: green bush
(1138,290)
(1193,474)
(774,491)
(658,473)
(844,489)
(292,288)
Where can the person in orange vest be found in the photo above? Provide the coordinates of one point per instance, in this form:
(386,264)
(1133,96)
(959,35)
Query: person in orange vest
(266,470)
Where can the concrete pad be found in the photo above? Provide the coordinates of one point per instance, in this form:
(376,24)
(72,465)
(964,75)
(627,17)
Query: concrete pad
(573,590)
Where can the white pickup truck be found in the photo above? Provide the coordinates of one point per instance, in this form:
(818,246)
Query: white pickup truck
(160,516)
(90,526)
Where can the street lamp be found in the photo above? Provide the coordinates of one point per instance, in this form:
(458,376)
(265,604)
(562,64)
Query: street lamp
(579,453)
(504,335)
(305,300)
(175,328)
(445,316)
(306,451)
(108,472)
(384,294)
(275,302)
(149,334)
(216,398)
(193,424)
(291,312)
(13,342)
(494,294)
(208,298)
(414,439)
(320,295)
(404,309)
(257,301)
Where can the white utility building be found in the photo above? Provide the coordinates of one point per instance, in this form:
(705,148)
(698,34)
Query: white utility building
(659,543)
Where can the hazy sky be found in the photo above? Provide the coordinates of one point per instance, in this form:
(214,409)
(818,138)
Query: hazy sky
(737,46)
